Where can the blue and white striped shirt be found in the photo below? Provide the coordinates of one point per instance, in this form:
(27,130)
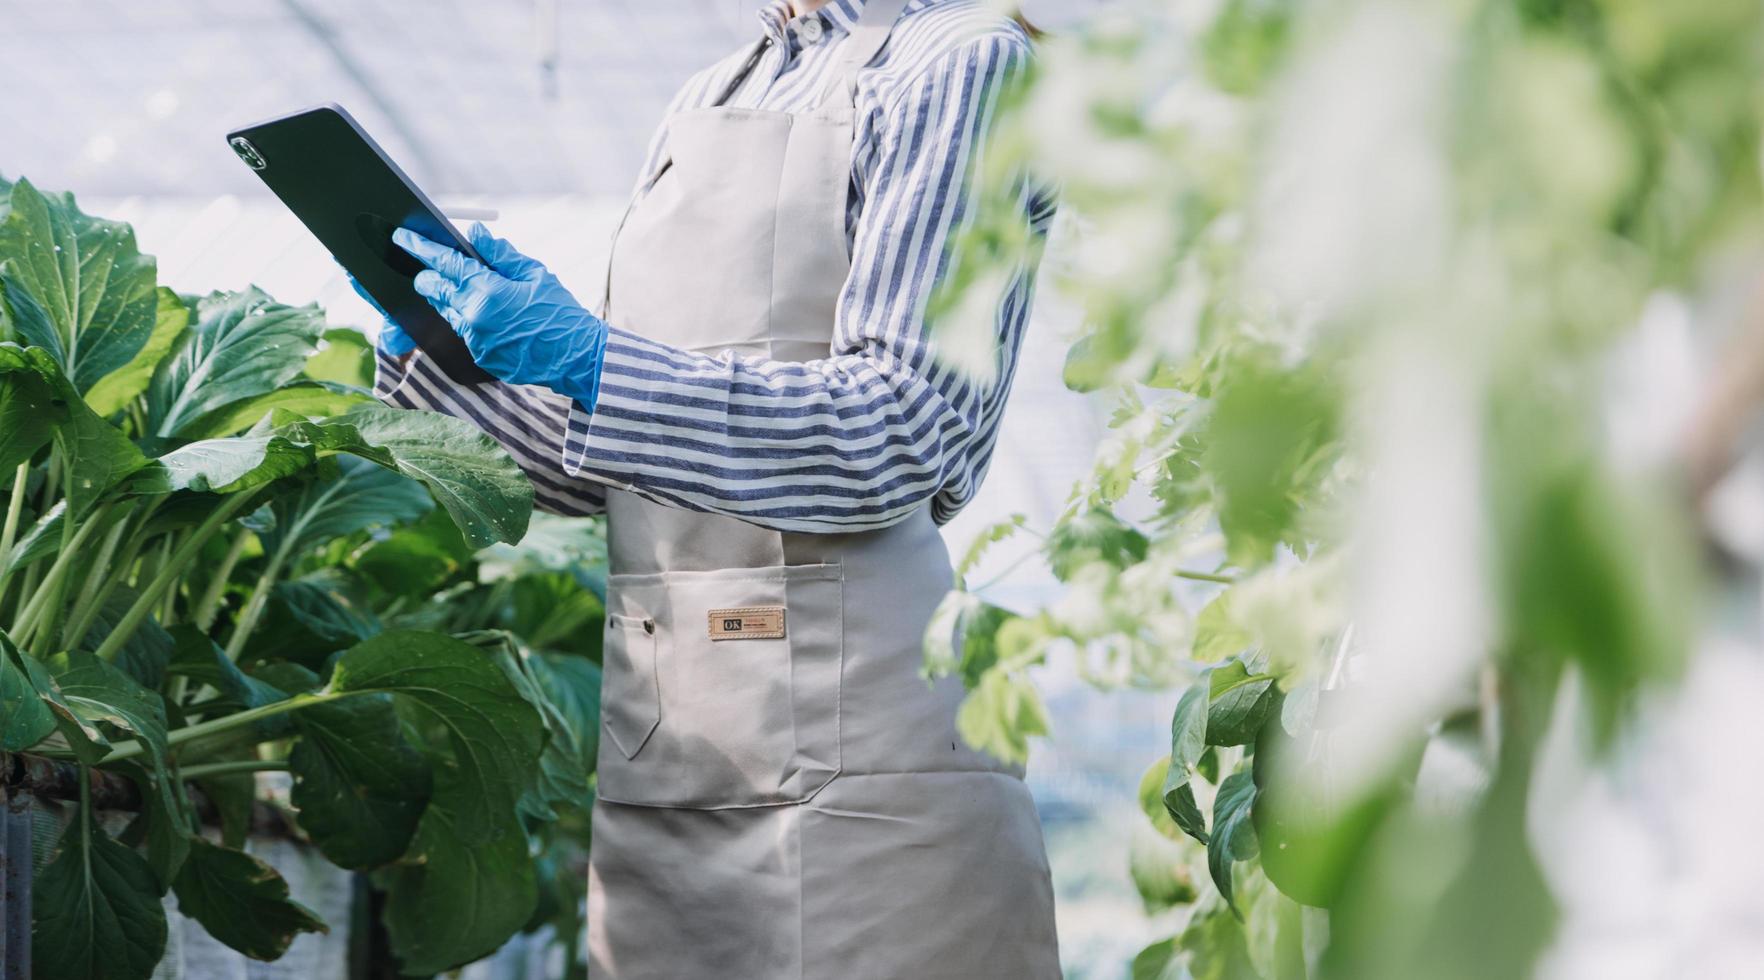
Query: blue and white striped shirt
(860,438)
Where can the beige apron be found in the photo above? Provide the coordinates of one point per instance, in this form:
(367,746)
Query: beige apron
(781,794)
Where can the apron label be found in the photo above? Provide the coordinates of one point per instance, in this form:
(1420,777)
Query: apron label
(747,623)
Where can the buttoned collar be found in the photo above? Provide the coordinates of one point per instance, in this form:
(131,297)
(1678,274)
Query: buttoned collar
(831,22)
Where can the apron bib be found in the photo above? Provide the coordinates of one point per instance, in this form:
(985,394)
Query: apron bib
(780,793)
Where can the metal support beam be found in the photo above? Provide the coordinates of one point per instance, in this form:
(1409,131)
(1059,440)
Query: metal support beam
(15,886)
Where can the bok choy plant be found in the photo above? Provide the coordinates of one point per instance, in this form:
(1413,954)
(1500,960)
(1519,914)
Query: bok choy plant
(190,486)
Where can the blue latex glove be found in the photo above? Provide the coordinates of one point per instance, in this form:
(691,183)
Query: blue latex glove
(391,339)
(518,320)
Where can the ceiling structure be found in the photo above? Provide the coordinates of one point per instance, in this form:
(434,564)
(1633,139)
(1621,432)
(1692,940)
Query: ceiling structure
(514,97)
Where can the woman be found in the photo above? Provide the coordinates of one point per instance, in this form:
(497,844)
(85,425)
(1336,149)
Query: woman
(758,410)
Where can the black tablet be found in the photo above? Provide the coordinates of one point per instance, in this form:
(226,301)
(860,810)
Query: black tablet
(350,194)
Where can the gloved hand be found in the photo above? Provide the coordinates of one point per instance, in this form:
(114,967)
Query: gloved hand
(518,320)
(391,339)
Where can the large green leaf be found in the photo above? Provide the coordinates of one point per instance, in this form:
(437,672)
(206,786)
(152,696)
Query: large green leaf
(551,544)
(1188,725)
(163,826)
(242,345)
(233,796)
(1314,840)
(1234,836)
(95,912)
(27,321)
(1183,808)
(116,390)
(1271,435)
(24,719)
(99,692)
(309,619)
(1238,703)
(413,562)
(309,398)
(454,899)
(1212,946)
(1158,961)
(200,659)
(571,686)
(466,471)
(495,734)
(360,497)
(344,357)
(97,453)
(38,541)
(242,901)
(83,736)
(148,649)
(553,611)
(359,785)
(1188,740)
(94,286)
(566,693)
(1095,535)
(1001,714)
(29,408)
(1217,634)
(962,637)
(227,465)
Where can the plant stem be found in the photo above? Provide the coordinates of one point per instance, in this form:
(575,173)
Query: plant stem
(209,604)
(28,588)
(168,574)
(94,576)
(93,603)
(1206,577)
(144,569)
(169,610)
(49,592)
(225,768)
(14,507)
(56,585)
(178,736)
(254,608)
(86,817)
(52,479)
(9,532)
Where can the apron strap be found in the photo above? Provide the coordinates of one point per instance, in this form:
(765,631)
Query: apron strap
(867,37)
(741,76)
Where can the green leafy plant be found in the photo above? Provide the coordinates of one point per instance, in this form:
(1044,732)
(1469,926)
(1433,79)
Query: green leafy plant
(196,489)
(1353,276)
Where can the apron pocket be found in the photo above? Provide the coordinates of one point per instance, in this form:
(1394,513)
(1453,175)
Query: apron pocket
(747,666)
(629,702)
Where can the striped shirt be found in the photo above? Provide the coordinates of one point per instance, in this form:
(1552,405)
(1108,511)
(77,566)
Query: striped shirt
(878,428)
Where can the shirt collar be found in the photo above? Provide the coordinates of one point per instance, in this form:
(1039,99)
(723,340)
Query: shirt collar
(837,17)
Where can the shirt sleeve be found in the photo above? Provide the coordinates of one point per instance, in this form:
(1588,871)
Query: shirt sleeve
(878,428)
(527,421)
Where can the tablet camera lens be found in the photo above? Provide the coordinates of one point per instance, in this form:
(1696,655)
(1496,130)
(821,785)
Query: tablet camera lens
(248,153)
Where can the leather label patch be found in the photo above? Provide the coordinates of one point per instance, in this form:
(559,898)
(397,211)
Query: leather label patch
(747,623)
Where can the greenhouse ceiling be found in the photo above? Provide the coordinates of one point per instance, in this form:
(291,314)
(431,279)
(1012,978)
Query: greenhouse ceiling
(530,97)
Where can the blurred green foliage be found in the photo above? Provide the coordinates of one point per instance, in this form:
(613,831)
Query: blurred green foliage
(1351,275)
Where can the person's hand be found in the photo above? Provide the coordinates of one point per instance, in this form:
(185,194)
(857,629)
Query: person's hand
(518,320)
(391,339)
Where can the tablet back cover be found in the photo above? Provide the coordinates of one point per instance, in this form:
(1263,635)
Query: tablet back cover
(351,196)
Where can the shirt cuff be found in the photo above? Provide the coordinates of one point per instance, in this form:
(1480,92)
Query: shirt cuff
(389,373)
(628,365)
